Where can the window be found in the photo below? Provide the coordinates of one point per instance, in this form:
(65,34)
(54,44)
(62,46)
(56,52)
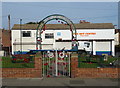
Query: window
(87,44)
(26,34)
(49,35)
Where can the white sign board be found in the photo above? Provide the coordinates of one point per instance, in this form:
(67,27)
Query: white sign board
(95,34)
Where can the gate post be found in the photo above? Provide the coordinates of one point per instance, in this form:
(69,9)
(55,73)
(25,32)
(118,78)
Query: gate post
(56,60)
(38,64)
(74,64)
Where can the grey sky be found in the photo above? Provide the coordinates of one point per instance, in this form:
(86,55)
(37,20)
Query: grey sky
(95,12)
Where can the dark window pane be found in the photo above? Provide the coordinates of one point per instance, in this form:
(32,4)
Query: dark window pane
(26,34)
(49,35)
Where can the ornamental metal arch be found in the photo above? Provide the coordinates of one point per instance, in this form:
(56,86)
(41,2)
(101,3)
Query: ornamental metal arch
(55,17)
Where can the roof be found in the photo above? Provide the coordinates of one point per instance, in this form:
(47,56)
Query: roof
(63,26)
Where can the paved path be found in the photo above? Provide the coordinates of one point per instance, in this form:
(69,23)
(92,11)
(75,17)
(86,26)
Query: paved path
(68,82)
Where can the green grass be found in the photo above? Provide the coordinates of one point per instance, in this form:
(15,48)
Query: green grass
(96,62)
(7,63)
(0,62)
(88,65)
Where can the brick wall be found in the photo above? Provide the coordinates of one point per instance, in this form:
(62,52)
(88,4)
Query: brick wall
(91,72)
(75,71)
(1,33)
(0,39)
(6,38)
(97,72)
(24,72)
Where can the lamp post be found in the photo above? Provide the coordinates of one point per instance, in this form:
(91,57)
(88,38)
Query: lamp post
(9,33)
(21,36)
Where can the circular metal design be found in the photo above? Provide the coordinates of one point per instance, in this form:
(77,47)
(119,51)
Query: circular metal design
(61,55)
(40,27)
(50,55)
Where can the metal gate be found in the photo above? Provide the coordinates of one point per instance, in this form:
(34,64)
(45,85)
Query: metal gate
(56,64)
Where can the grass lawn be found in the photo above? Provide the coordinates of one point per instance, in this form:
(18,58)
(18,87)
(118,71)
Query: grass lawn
(0,62)
(95,62)
(88,65)
(7,63)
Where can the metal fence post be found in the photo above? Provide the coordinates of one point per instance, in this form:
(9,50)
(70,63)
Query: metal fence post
(43,62)
(69,63)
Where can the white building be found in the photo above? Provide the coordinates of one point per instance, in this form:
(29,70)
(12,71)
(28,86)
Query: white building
(98,38)
(117,36)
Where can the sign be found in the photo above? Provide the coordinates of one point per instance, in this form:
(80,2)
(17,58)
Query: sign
(58,33)
(85,34)
(95,34)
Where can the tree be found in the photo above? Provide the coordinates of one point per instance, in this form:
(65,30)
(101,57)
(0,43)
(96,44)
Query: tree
(32,23)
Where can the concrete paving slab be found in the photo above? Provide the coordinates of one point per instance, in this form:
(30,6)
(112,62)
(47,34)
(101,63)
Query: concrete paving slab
(68,82)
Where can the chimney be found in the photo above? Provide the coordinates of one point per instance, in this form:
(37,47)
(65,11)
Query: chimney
(84,21)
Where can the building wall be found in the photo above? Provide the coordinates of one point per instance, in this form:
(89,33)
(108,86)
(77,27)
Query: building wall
(0,32)
(83,45)
(117,38)
(47,47)
(98,34)
(86,34)
(5,41)
(103,47)
(101,40)
(25,48)
(104,36)
(26,43)
(6,38)
(16,36)
(61,45)
(64,34)
(48,41)
(0,39)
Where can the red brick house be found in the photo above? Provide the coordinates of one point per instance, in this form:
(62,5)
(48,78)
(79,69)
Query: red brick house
(5,41)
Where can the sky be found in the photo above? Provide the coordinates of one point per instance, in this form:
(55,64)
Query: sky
(94,12)
(60,0)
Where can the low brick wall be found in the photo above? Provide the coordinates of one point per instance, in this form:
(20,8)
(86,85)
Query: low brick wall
(96,72)
(35,72)
(75,71)
(91,72)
